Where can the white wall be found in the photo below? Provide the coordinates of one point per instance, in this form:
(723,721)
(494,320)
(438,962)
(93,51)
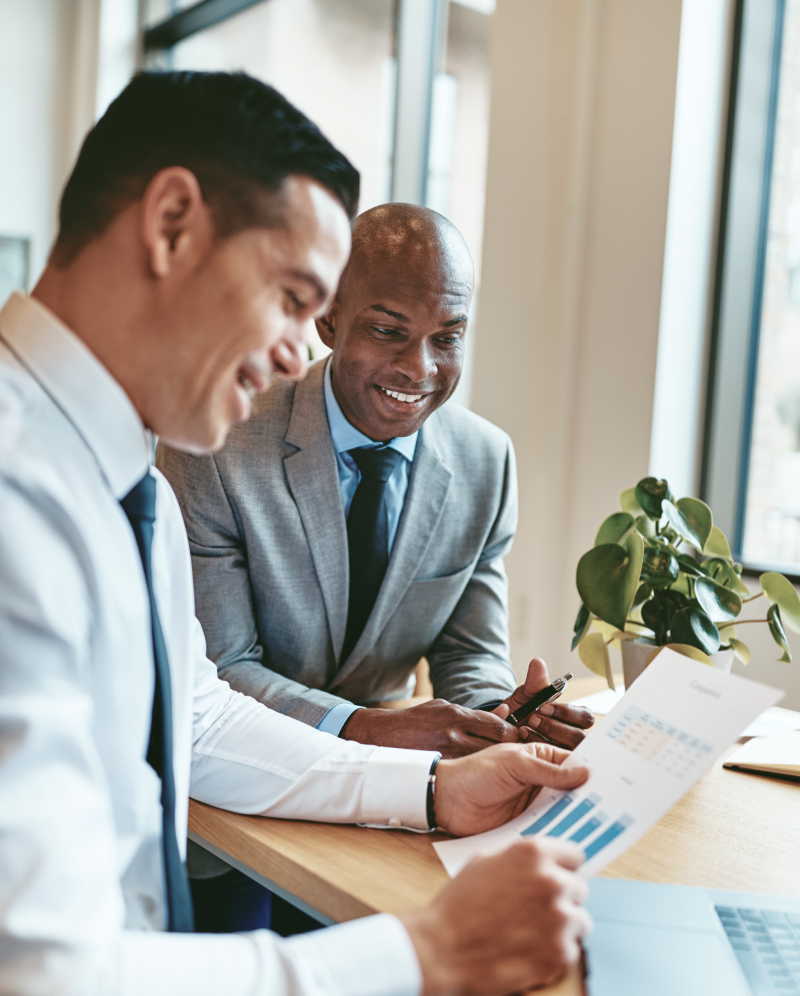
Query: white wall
(61,62)
(583,97)
(35,86)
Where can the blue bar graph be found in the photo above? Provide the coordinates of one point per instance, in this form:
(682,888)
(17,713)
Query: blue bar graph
(572,818)
(607,836)
(549,815)
(588,827)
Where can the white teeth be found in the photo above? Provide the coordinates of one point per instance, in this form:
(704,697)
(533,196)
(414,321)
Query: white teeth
(409,398)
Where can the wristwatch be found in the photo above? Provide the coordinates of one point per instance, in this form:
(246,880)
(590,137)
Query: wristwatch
(429,806)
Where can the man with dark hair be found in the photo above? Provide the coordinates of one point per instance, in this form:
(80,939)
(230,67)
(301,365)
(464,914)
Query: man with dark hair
(240,138)
(110,713)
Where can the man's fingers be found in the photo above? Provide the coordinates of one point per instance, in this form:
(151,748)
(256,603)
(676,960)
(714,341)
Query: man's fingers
(572,715)
(531,769)
(490,726)
(556,732)
(536,679)
(567,855)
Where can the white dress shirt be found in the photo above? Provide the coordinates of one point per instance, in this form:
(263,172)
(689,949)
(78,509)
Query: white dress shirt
(81,879)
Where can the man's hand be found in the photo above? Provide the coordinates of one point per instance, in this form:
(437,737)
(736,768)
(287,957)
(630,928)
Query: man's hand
(556,722)
(438,725)
(506,923)
(490,788)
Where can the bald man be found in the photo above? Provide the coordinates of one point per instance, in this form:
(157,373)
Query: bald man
(354,525)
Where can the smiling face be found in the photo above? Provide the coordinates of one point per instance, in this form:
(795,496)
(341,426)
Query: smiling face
(397,326)
(241,315)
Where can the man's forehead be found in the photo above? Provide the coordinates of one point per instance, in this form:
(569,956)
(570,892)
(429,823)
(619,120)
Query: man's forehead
(439,287)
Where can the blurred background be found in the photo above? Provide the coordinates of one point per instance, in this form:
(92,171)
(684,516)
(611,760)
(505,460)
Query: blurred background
(627,176)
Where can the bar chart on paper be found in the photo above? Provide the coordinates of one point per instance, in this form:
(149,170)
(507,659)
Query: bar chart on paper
(663,734)
(586,819)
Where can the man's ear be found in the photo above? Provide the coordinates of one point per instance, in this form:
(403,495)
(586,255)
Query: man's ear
(326,326)
(177,225)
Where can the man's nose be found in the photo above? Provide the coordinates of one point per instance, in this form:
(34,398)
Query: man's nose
(416,361)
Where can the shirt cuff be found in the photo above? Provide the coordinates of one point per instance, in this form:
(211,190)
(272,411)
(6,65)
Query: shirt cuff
(373,956)
(395,788)
(335,718)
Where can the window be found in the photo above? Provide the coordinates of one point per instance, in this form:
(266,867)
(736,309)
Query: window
(400,86)
(752,451)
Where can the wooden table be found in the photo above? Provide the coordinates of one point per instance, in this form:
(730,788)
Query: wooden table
(731,831)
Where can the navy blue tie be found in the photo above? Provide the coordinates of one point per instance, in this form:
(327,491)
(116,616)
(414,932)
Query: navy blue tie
(140,507)
(367,537)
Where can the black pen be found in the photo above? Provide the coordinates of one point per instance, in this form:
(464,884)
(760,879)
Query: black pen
(549,694)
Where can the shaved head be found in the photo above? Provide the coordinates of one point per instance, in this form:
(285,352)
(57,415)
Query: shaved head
(398,323)
(406,236)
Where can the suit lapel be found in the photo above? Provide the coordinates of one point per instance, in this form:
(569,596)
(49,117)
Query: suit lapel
(423,508)
(314,482)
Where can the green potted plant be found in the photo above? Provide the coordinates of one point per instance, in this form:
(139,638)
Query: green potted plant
(661,574)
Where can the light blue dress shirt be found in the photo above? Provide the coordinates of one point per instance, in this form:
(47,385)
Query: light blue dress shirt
(346,437)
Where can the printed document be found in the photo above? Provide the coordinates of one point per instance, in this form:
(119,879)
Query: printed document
(665,732)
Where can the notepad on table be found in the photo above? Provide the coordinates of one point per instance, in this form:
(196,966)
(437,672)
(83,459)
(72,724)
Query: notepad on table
(778,755)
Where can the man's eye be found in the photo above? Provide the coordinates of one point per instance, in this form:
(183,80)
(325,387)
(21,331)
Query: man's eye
(449,340)
(384,332)
(295,302)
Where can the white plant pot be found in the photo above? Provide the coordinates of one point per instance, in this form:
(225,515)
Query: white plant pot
(636,652)
(634,658)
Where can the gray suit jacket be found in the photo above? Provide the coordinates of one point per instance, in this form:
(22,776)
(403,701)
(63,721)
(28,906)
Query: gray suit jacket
(268,538)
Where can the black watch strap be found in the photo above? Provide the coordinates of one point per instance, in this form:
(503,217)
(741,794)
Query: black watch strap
(429,805)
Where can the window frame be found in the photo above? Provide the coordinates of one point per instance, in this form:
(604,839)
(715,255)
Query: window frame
(420,33)
(740,265)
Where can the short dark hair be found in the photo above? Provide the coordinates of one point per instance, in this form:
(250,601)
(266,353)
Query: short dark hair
(238,136)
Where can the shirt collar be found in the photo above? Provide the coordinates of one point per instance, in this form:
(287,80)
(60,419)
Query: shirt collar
(346,437)
(81,387)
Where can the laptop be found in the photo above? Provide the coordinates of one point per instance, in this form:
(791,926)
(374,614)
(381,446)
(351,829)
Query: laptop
(674,940)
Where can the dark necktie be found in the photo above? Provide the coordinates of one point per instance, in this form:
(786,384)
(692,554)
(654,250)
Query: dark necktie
(367,538)
(140,507)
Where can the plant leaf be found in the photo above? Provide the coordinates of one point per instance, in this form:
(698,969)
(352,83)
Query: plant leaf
(646,526)
(615,528)
(741,650)
(781,591)
(650,493)
(608,576)
(722,571)
(717,544)
(690,565)
(682,585)
(686,650)
(682,648)
(657,614)
(582,622)
(689,521)
(628,502)
(719,603)
(778,633)
(594,654)
(693,627)
(699,517)
(659,568)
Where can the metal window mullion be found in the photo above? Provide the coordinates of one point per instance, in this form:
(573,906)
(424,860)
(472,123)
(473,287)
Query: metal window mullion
(419,30)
